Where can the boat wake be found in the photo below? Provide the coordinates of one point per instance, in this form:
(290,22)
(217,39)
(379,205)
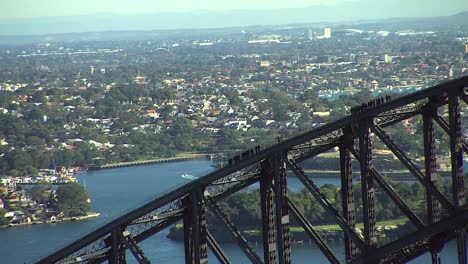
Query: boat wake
(188,176)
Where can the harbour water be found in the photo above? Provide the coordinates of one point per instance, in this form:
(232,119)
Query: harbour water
(116,191)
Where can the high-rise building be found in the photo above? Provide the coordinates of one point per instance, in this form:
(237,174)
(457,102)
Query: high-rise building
(309,34)
(91,69)
(388,58)
(362,58)
(466,48)
(327,33)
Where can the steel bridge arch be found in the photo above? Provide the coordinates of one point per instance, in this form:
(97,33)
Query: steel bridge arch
(447,216)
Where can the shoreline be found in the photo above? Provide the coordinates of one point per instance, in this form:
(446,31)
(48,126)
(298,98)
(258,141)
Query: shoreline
(394,175)
(152,161)
(386,229)
(313,173)
(64,219)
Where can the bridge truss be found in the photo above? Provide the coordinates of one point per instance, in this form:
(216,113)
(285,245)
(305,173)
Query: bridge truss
(447,216)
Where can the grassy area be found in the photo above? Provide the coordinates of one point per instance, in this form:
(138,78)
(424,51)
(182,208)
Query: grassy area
(298,229)
(395,222)
(322,171)
(382,152)
(329,155)
(336,154)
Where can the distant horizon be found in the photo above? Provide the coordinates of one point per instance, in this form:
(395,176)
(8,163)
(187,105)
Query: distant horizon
(23,9)
(95,20)
(214,11)
(210,11)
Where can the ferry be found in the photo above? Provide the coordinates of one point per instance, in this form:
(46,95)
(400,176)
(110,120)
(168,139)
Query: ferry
(188,176)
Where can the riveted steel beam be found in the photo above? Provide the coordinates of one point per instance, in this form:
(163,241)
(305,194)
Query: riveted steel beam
(433,207)
(457,220)
(195,228)
(367,185)
(325,203)
(241,241)
(347,190)
(116,254)
(312,234)
(282,212)
(134,248)
(456,157)
(388,189)
(217,250)
(268,217)
(445,126)
(412,168)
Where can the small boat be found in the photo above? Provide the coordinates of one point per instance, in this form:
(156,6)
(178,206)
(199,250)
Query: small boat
(188,176)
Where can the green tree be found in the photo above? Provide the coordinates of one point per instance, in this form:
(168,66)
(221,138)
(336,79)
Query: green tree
(228,137)
(41,192)
(182,133)
(72,200)
(3,219)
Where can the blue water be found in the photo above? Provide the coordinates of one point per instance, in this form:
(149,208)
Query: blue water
(115,191)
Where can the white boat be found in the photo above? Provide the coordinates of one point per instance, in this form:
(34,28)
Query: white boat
(188,176)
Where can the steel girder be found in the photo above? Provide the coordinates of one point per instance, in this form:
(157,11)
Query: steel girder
(282,212)
(388,189)
(367,185)
(268,217)
(312,234)
(325,203)
(241,241)
(160,213)
(444,125)
(217,250)
(194,220)
(433,207)
(456,158)
(347,191)
(413,168)
(404,248)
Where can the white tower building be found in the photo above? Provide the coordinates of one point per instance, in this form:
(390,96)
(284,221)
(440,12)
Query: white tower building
(327,33)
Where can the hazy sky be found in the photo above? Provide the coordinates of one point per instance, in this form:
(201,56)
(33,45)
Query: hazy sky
(38,8)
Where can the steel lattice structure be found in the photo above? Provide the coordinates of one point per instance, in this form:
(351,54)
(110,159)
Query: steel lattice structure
(353,135)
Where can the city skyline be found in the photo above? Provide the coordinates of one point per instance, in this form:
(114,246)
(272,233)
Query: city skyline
(138,16)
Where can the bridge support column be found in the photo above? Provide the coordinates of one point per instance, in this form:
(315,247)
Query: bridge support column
(347,192)
(117,251)
(195,239)
(188,243)
(433,207)
(268,219)
(132,245)
(456,153)
(282,212)
(367,185)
